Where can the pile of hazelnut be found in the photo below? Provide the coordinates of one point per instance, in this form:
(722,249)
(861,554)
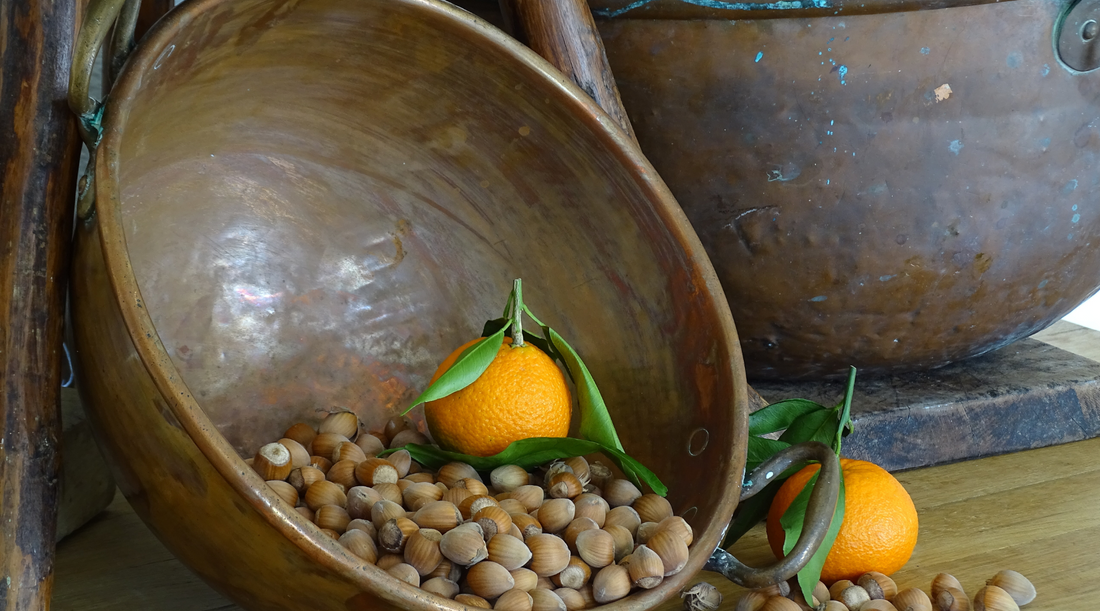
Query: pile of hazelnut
(568,536)
(1005,591)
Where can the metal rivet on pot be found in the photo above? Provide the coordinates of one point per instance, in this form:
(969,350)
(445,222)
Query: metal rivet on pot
(698,441)
(1077,36)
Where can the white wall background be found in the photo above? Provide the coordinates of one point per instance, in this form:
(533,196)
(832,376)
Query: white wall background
(1087,314)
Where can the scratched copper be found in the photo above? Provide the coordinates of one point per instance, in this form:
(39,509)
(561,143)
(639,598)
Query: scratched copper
(894,191)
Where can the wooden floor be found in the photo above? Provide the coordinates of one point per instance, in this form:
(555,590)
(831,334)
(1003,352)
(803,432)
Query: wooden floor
(1037,512)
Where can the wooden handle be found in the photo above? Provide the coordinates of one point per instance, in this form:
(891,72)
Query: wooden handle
(564,33)
(39,154)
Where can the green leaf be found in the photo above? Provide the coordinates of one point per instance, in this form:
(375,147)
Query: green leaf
(792,522)
(596,423)
(749,514)
(494,325)
(815,426)
(761,449)
(552,351)
(530,453)
(467,368)
(780,415)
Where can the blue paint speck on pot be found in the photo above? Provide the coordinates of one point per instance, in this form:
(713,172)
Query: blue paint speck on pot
(925,50)
(955,146)
(819,298)
(759,54)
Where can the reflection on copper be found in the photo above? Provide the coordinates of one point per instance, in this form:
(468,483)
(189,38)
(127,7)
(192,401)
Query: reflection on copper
(256,299)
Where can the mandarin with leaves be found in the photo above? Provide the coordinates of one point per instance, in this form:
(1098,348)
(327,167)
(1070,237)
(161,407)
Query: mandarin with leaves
(522,394)
(879,530)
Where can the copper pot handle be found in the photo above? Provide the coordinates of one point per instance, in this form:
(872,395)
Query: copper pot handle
(819,514)
(101,16)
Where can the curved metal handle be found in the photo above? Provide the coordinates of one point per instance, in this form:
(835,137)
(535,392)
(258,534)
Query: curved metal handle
(819,515)
(101,16)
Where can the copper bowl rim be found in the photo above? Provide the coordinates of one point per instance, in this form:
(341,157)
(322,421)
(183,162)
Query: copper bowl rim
(183,405)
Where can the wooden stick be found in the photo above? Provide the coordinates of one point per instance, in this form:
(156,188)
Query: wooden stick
(39,153)
(151,11)
(564,33)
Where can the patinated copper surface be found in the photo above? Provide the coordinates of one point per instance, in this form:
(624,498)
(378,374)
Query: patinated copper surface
(306,204)
(893,191)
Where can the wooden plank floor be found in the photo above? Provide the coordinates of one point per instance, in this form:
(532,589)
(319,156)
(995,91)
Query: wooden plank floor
(1037,512)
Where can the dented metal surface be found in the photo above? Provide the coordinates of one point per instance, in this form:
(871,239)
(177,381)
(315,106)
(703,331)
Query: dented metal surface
(894,191)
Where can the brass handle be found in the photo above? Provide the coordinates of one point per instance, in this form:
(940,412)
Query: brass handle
(819,515)
(101,16)
(97,25)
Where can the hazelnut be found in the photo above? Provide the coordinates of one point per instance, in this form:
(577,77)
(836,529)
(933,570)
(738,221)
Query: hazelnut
(993,598)
(514,600)
(525,579)
(472,600)
(878,586)
(464,545)
(652,508)
(950,598)
(507,478)
(611,583)
(302,433)
(1016,585)
(440,515)
(422,552)
(508,551)
(912,599)
(272,462)
(620,492)
(489,579)
(450,473)
(646,568)
(342,423)
(299,456)
(440,586)
(854,597)
(546,600)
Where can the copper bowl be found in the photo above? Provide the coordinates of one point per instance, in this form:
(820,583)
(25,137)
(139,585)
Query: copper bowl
(877,183)
(308,203)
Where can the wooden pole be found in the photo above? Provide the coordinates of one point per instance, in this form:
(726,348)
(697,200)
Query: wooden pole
(39,153)
(151,11)
(564,33)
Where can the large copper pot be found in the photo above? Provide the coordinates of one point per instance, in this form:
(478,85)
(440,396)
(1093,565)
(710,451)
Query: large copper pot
(877,183)
(302,204)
